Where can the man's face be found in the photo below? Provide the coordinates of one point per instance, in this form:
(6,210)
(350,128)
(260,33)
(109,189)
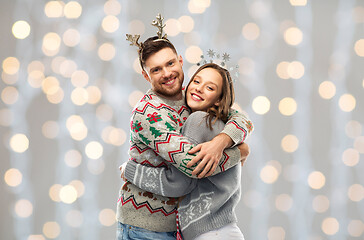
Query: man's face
(164,71)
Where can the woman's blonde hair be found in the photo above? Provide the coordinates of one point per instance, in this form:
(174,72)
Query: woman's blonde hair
(226,98)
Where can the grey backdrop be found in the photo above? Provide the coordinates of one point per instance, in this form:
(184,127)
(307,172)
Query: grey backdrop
(313,191)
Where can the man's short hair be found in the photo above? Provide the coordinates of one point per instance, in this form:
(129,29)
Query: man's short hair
(151,46)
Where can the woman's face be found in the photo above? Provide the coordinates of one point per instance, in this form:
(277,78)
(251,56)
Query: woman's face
(204,90)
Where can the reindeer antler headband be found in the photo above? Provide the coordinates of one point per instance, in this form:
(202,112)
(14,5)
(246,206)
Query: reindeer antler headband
(133,39)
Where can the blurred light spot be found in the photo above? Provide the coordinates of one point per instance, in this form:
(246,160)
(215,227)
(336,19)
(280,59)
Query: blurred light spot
(198,6)
(115,136)
(351,157)
(51,229)
(9,79)
(78,131)
(316,180)
(284,202)
(320,203)
(36,66)
(54,192)
(112,7)
(21,29)
(359,144)
(79,186)
(23,208)
(35,79)
(56,64)
(72,10)
(358,13)
(104,112)
(79,78)
(355,228)
(13,177)
(6,117)
(11,65)
(136,27)
(74,218)
(330,226)
(298,2)
(276,233)
(327,90)
(94,94)
(347,102)
(193,54)
(67,68)
(50,129)
(173,27)
(252,199)
(269,174)
(293,36)
(282,70)
(54,9)
(192,70)
(251,31)
(110,24)
(51,44)
(296,70)
(186,24)
(107,217)
(246,66)
(71,37)
(106,52)
(287,106)
(19,143)
(79,96)
(96,167)
(94,150)
(261,105)
(356,192)
(68,194)
(135,97)
(50,85)
(353,129)
(9,95)
(56,97)
(36,237)
(136,66)
(289,143)
(73,158)
(359,47)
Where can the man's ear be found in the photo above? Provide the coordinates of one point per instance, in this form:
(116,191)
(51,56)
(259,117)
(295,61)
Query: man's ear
(180,60)
(145,75)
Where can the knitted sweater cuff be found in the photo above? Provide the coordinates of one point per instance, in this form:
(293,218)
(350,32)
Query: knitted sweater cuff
(235,134)
(130,170)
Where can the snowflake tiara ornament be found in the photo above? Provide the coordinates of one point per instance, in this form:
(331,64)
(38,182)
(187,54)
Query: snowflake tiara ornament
(221,60)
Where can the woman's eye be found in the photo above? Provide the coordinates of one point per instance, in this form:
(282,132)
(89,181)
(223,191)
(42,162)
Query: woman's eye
(210,88)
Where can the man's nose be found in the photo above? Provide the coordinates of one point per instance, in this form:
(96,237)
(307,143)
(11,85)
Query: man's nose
(166,72)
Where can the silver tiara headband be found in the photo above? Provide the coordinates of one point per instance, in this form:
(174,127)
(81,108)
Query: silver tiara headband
(221,60)
(158,22)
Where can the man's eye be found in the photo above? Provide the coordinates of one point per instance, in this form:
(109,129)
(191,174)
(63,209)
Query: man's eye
(155,70)
(170,63)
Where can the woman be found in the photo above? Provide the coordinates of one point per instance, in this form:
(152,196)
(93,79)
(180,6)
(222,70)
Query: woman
(206,207)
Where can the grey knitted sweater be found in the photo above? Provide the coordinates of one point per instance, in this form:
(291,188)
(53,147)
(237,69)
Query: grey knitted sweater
(208,203)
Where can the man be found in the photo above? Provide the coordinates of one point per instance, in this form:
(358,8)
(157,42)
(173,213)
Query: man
(155,139)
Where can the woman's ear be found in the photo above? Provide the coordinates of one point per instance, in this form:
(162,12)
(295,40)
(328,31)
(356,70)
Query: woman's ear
(217,103)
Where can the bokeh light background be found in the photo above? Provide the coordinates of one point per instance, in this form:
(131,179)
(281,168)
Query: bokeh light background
(69,81)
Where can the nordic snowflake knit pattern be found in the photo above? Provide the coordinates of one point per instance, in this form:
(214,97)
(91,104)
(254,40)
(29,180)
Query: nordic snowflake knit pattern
(208,203)
(155,141)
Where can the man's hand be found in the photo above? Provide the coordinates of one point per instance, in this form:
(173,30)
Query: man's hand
(209,154)
(244,152)
(122,170)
